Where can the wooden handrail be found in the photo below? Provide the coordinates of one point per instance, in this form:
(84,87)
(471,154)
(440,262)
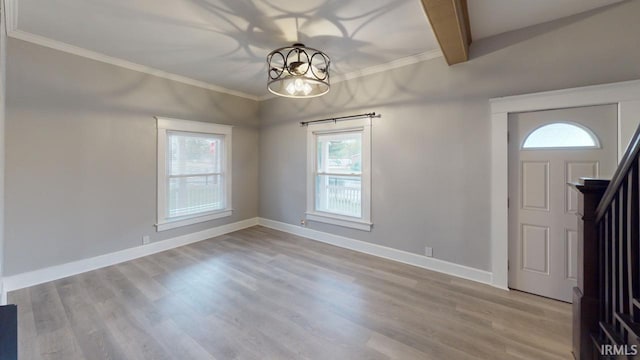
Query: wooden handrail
(631,155)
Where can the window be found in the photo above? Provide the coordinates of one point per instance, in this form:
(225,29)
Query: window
(561,135)
(194,172)
(338,179)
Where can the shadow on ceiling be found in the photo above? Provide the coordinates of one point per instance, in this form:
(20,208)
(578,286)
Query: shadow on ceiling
(259,26)
(495,43)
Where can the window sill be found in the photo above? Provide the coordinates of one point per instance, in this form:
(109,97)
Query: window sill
(340,221)
(172,224)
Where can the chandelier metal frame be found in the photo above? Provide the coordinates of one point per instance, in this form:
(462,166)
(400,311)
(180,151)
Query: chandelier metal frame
(310,66)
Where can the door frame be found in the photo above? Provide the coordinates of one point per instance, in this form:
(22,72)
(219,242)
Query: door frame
(625,94)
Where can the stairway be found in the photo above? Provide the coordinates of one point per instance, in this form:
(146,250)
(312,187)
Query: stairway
(609,310)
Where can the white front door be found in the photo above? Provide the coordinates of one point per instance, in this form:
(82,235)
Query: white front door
(547,150)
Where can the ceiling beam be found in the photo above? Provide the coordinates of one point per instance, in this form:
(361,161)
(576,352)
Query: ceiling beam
(450,23)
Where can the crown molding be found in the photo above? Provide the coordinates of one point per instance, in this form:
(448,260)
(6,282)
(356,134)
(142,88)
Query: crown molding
(409,60)
(11,12)
(12,21)
(75,50)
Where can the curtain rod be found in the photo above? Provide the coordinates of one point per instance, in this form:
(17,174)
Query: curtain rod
(335,119)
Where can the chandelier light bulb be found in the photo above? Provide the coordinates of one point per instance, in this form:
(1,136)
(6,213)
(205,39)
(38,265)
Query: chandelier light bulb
(307,89)
(291,89)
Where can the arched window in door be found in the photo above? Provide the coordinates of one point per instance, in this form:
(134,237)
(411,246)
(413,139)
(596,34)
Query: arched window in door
(561,135)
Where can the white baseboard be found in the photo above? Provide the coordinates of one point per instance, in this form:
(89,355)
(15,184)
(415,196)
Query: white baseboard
(20,281)
(441,266)
(31,278)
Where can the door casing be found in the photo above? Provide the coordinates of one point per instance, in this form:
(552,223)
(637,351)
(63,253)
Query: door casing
(625,94)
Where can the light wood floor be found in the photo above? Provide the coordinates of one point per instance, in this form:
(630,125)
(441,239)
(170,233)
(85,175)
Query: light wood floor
(263,294)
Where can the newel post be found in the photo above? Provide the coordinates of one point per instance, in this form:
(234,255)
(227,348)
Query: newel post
(586,294)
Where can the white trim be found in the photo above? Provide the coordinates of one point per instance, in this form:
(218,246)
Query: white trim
(363,125)
(20,281)
(93,55)
(343,221)
(574,97)
(161,168)
(11,8)
(3,294)
(8,11)
(441,266)
(193,126)
(616,93)
(169,124)
(172,224)
(409,60)
(629,109)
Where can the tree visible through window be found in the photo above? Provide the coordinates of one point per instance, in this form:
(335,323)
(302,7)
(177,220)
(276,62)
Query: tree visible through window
(338,179)
(196,180)
(194,172)
(339,173)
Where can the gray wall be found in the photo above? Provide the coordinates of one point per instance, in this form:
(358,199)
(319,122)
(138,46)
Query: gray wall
(81,155)
(431,147)
(81,142)
(3,62)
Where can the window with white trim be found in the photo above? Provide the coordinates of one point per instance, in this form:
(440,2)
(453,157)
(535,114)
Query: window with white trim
(194,172)
(339,173)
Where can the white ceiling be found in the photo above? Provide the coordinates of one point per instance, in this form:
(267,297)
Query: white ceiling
(492,17)
(225,42)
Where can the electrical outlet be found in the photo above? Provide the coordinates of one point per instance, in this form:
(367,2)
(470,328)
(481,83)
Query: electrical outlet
(303,222)
(428,251)
(145,239)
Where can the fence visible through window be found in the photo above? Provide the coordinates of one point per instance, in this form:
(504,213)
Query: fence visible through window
(341,198)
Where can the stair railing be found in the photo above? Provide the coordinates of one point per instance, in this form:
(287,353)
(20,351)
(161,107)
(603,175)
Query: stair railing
(607,299)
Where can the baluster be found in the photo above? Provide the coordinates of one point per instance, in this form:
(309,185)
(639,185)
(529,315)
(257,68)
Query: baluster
(622,257)
(355,203)
(607,267)
(602,266)
(345,197)
(634,239)
(615,230)
(334,197)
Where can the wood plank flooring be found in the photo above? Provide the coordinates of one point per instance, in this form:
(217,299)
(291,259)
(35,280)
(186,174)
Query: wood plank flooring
(264,294)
